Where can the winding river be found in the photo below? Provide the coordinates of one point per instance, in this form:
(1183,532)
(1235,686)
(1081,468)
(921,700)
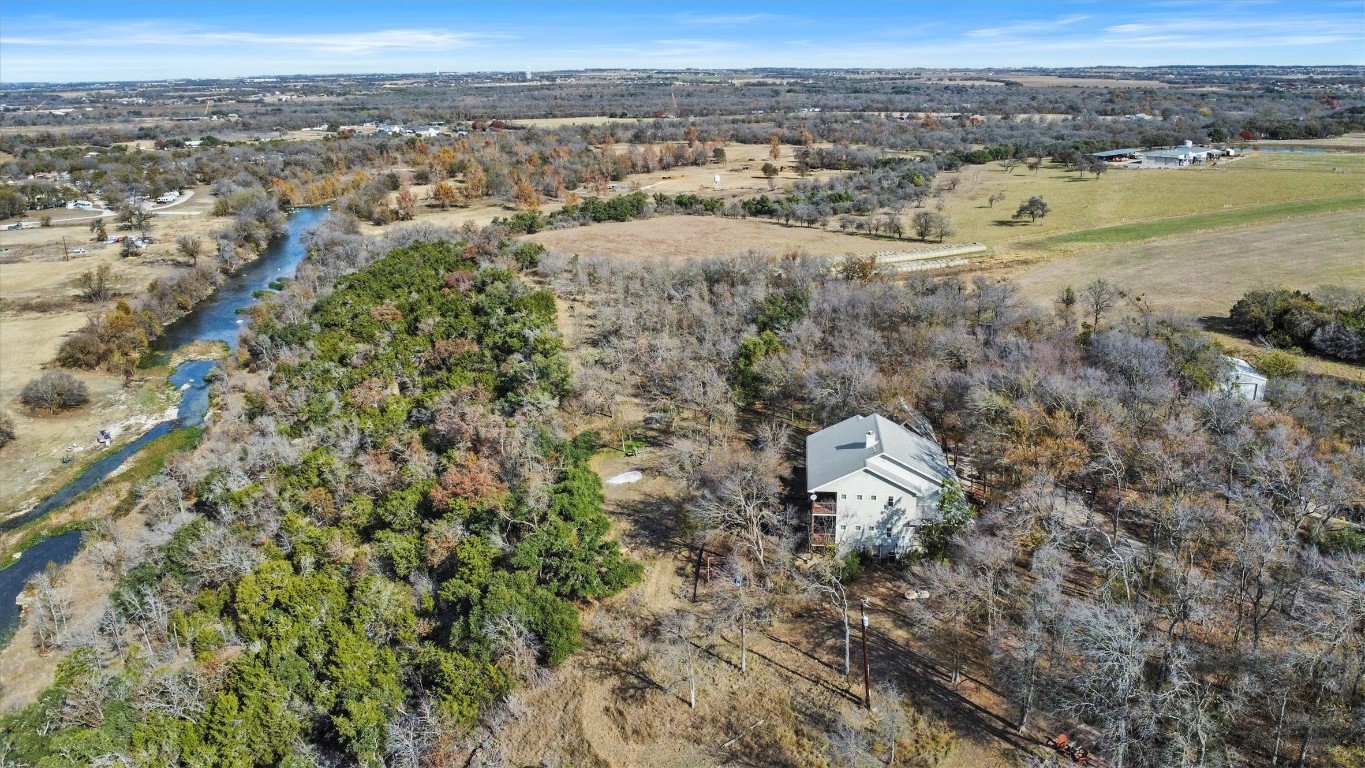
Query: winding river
(217,318)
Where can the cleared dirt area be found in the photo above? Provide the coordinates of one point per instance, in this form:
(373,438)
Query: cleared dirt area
(1205,274)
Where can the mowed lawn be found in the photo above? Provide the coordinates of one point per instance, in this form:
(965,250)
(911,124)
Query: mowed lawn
(1245,191)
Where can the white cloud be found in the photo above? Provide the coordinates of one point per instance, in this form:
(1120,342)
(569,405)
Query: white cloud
(1028,27)
(725,18)
(352,43)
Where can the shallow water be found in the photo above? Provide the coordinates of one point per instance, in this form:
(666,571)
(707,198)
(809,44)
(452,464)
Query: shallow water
(1289,149)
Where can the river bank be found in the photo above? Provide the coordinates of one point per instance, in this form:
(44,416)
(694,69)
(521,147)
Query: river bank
(40,305)
(216,321)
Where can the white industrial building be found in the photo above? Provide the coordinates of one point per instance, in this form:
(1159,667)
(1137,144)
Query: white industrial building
(872,483)
(1180,157)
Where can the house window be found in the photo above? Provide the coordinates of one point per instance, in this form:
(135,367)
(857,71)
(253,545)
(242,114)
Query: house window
(874,498)
(858,528)
(860,497)
(888,532)
(843,495)
(844,527)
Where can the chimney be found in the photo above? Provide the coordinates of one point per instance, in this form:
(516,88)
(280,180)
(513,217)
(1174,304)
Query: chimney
(870,440)
(1189,143)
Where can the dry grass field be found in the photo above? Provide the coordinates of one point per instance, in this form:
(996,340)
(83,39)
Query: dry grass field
(1350,142)
(39,305)
(1205,274)
(682,237)
(1126,196)
(560,122)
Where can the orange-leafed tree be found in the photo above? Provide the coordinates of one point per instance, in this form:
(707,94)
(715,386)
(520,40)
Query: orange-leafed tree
(445,195)
(525,195)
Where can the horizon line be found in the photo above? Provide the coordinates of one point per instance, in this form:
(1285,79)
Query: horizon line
(430,72)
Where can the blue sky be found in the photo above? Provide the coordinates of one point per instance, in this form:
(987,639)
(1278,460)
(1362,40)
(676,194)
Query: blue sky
(69,40)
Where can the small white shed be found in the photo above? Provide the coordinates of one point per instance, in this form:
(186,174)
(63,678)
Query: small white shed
(1244,379)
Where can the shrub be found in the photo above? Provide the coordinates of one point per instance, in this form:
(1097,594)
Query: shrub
(1277,364)
(7,433)
(54,391)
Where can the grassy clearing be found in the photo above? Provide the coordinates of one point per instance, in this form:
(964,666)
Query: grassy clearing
(152,458)
(559,122)
(1132,196)
(1200,222)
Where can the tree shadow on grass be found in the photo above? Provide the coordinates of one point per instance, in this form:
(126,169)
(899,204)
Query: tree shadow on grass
(1220,323)
(1011,223)
(930,684)
(653,523)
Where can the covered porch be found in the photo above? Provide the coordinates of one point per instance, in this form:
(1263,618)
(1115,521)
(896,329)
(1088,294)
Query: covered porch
(823,516)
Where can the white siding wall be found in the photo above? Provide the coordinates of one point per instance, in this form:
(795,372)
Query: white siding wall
(862,523)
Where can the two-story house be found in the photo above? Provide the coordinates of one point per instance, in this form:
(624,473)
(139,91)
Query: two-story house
(872,483)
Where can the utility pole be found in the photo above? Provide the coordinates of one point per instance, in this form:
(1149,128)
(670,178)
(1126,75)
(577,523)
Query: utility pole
(867,667)
(66,255)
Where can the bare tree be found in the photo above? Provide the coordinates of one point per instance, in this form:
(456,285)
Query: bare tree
(892,724)
(1108,677)
(747,605)
(191,247)
(681,653)
(743,500)
(849,743)
(824,580)
(1099,297)
(49,610)
(54,391)
(514,645)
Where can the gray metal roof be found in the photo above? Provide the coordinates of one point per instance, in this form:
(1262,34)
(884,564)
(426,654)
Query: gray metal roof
(840,450)
(1117,152)
(1242,371)
(1181,152)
